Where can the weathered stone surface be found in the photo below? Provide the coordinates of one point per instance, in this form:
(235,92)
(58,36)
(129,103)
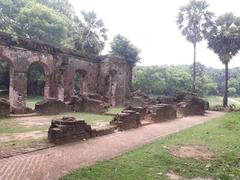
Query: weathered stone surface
(141,110)
(86,103)
(4,107)
(77,103)
(190,105)
(68,129)
(95,106)
(127,119)
(140,99)
(162,112)
(52,106)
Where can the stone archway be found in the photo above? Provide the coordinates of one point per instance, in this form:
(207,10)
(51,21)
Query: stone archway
(80,81)
(10,78)
(44,70)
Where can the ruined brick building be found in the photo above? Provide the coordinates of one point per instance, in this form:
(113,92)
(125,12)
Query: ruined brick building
(105,75)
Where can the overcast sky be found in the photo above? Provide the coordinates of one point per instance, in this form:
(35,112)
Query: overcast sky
(151,26)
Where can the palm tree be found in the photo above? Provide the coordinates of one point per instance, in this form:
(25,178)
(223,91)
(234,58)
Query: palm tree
(194,20)
(224,40)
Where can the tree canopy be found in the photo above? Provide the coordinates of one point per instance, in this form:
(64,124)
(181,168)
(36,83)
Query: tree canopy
(224,40)
(193,21)
(121,46)
(53,21)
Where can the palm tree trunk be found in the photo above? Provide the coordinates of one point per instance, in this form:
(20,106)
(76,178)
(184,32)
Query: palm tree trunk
(194,68)
(225,98)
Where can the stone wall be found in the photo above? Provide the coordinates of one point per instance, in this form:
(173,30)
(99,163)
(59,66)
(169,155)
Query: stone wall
(108,76)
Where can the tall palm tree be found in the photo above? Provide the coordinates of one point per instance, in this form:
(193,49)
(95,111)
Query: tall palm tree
(193,21)
(224,40)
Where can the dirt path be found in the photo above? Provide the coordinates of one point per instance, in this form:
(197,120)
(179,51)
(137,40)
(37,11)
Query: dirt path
(54,162)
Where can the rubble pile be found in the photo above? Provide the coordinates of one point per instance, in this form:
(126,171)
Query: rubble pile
(68,129)
(162,112)
(52,106)
(127,119)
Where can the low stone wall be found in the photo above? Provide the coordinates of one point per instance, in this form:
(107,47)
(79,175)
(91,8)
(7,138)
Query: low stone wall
(127,119)
(161,112)
(141,110)
(52,106)
(68,129)
(191,105)
(4,108)
(86,103)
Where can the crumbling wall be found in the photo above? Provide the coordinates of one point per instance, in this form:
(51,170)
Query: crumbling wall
(108,76)
(68,129)
(127,119)
(114,80)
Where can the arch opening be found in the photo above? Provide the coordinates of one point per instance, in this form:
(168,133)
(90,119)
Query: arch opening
(37,85)
(5,72)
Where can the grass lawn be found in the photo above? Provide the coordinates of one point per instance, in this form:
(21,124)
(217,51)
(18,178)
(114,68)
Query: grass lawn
(218,100)
(32,100)
(10,126)
(221,137)
(115,110)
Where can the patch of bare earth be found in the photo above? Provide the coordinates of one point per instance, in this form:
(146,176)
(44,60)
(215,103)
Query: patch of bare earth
(196,152)
(172,176)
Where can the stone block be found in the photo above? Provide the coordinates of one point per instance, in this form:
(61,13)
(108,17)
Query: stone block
(4,108)
(52,106)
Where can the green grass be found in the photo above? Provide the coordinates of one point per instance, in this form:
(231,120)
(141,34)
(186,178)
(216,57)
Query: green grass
(153,161)
(10,125)
(218,100)
(115,110)
(32,100)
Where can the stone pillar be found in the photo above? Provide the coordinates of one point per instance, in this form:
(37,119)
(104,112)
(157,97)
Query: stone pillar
(18,92)
(47,87)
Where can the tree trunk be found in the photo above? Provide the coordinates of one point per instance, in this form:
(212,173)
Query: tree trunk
(225,98)
(194,68)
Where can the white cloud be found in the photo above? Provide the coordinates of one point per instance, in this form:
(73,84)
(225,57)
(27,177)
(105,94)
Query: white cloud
(151,26)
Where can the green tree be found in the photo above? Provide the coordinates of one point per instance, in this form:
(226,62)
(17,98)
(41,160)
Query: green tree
(90,34)
(224,39)
(121,46)
(43,23)
(194,21)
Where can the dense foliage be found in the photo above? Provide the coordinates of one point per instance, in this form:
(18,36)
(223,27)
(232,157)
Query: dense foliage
(121,46)
(53,21)
(167,80)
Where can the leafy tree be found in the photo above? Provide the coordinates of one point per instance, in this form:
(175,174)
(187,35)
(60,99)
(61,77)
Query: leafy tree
(194,20)
(90,35)
(43,23)
(121,46)
(224,40)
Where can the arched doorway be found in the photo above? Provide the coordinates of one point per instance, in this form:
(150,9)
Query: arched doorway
(80,81)
(38,84)
(6,76)
(4,79)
